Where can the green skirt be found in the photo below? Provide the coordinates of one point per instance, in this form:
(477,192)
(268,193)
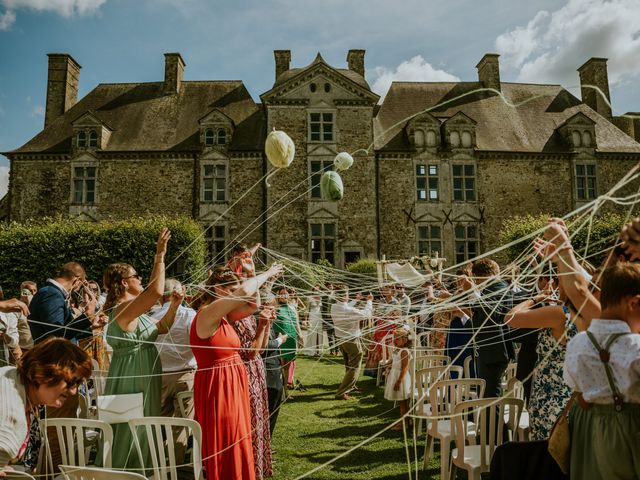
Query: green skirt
(605,444)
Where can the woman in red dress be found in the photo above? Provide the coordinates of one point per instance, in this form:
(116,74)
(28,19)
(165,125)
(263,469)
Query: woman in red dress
(221,393)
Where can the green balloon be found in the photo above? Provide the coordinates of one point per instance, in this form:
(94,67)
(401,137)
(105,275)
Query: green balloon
(331,186)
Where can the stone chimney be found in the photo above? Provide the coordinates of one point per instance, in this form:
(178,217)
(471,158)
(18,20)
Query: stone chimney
(355,60)
(489,71)
(62,85)
(283,59)
(173,72)
(594,74)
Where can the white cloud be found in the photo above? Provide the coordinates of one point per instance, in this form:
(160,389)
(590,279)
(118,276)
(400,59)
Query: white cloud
(6,20)
(553,45)
(65,8)
(34,110)
(4,181)
(414,70)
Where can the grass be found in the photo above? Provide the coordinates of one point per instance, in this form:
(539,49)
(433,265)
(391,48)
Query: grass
(313,428)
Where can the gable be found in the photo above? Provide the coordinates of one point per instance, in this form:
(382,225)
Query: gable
(215,117)
(88,119)
(579,119)
(460,118)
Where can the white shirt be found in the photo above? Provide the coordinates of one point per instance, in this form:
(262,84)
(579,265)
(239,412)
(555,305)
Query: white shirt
(346,319)
(174,347)
(405,303)
(585,372)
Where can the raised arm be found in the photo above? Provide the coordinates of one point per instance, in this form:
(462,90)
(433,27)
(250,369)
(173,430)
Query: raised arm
(127,313)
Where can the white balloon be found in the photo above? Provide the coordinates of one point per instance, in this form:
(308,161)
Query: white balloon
(279,148)
(343,161)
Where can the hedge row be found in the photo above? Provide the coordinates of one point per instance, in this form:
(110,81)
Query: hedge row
(590,243)
(36,250)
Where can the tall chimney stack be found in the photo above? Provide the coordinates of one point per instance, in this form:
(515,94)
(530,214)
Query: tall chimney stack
(283,60)
(489,71)
(594,74)
(62,85)
(355,60)
(173,72)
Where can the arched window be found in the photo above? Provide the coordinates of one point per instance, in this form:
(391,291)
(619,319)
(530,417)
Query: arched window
(222,136)
(93,138)
(586,138)
(208,136)
(82,139)
(575,137)
(466,139)
(454,139)
(431,138)
(418,138)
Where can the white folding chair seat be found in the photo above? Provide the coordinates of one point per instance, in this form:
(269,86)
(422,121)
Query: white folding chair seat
(71,472)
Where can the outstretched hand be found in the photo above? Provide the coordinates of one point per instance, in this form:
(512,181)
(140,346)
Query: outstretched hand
(163,240)
(14,305)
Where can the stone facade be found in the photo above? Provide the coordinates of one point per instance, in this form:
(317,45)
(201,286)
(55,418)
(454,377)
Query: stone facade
(438,167)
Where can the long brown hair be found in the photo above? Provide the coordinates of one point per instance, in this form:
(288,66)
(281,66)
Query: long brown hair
(221,276)
(112,282)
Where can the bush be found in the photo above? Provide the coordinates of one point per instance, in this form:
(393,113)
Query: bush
(36,250)
(364,266)
(589,241)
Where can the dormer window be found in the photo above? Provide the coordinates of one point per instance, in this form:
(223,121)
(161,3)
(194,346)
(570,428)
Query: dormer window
(586,138)
(454,139)
(576,137)
(208,137)
(82,139)
(467,139)
(431,138)
(222,136)
(93,139)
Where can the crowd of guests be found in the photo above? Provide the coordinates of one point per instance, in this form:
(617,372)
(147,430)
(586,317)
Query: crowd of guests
(573,333)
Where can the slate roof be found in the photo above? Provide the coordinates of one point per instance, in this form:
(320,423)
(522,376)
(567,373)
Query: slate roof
(143,118)
(527,127)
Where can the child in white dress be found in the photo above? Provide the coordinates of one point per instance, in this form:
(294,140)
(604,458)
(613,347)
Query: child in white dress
(398,387)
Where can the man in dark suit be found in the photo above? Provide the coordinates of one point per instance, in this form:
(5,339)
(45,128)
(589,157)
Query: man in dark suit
(492,342)
(273,374)
(51,314)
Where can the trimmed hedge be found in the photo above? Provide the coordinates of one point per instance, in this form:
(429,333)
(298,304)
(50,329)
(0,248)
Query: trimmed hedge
(588,243)
(36,250)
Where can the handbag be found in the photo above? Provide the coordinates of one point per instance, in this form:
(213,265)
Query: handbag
(120,408)
(560,437)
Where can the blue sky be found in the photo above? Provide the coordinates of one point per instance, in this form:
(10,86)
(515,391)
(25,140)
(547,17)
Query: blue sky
(124,40)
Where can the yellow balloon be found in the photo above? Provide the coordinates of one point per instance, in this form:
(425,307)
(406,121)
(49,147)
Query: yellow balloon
(343,161)
(279,148)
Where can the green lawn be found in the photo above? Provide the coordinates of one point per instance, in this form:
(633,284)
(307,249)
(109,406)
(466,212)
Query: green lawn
(314,428)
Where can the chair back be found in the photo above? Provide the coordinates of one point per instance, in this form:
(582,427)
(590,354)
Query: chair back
(428,361)
(467,366)
(75,442)
(446,394)
(94,473)
(158,430)
(426,377)
(183,399)
(422,339)
(515,389)
(509,373)
(17,475)
(488,421)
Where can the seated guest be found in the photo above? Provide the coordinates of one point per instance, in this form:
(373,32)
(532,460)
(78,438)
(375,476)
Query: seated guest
(46,375)
(603,364)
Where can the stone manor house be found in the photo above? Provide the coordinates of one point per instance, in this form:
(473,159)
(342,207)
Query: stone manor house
(438,165)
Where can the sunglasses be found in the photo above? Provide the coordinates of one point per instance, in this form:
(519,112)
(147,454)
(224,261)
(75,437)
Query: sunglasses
(73,382)
(137,275)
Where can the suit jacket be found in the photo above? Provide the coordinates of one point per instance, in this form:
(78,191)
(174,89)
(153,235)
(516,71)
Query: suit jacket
(271,358)
(51,309)
(493,342)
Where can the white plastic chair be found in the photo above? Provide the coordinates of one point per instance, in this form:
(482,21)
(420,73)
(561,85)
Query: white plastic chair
(444,395)
(94,473)
(158,430)
(516,389)
(509,373)
(424,379)
(467,366)
(428,361)
(422,340)
(76,436)
(387,340)
(183,398)
(473,453)
(17,475)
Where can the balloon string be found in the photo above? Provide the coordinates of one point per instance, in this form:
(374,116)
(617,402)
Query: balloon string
(266,180)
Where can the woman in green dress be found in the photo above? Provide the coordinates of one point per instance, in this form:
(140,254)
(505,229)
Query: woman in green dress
(286,322)
(135,365)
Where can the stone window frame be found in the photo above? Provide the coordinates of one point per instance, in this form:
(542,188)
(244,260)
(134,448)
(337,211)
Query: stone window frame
(221,136)
(209,137)
(214,187)
(323,237)
(429,180)
(87,139)
(428,239)
(84,181)
(322,112)
(583,178)
(93,139)
(316,175)
(463,239)
(217,243)
(464,177)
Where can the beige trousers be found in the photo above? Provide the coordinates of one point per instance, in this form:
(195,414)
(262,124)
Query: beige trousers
(352,356)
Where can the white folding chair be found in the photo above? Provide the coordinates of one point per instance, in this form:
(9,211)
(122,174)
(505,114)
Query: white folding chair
(467,366)
(71,472)
(509,373)
(428,361)
(473,453)
(516,389)
(183,399)
(157,431)
(387,340)
(76,436)
(423,380)
(444,395)
(17,475)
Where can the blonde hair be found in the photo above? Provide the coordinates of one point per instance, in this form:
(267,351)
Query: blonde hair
(112,282)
